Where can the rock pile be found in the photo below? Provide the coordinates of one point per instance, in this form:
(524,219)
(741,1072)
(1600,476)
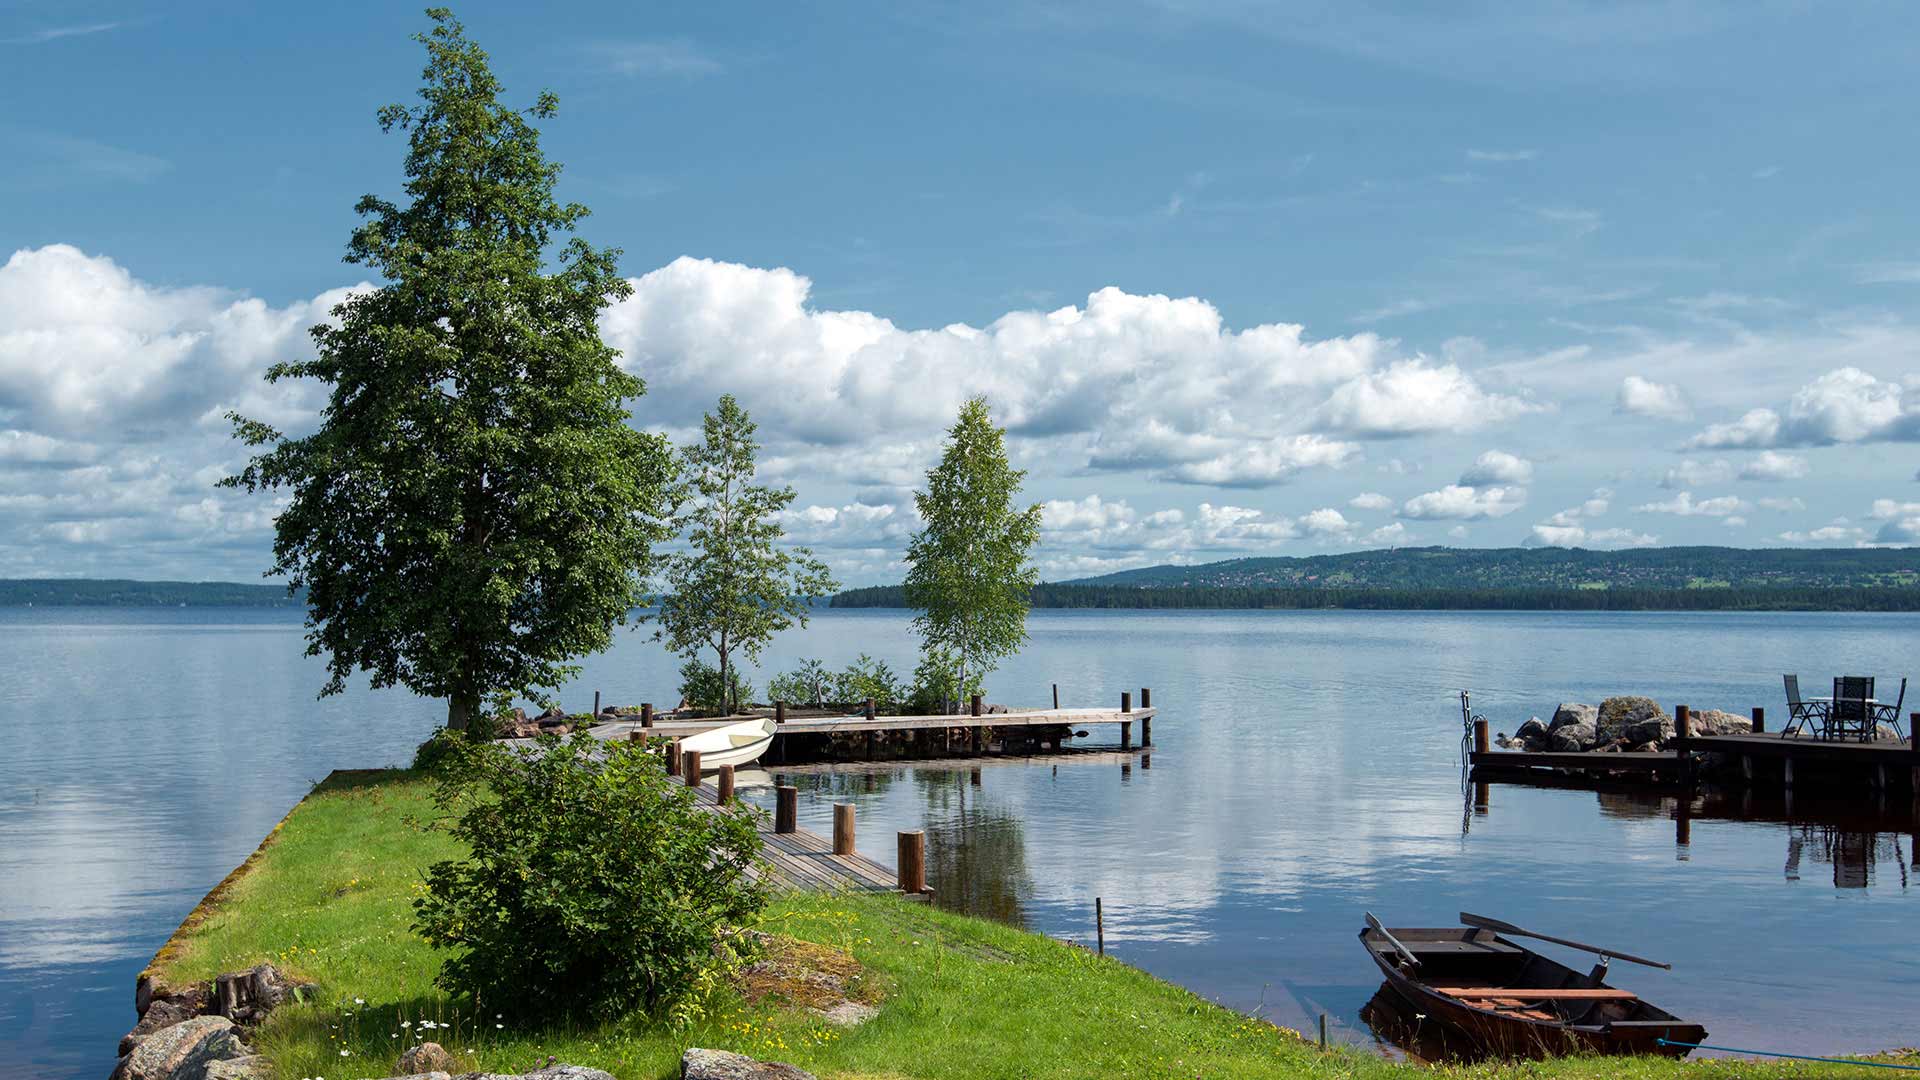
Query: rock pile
(1628,722)
(521,726)
(195,1033)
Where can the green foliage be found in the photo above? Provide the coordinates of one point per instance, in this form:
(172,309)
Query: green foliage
(869,678)
(473,510)
(937,684)
(733,588)
(806,685)
(591,888)
(700,687)
(967,567)
(441,748)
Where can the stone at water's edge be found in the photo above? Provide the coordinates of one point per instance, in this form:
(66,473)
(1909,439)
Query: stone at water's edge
(427,1057)
(697,1064)
(161,1013)
(1716,722)
(183,1051)
(1570,738)
(1619,713)
(1532,729)
(1657,728)
(1573,712)
(251,1067)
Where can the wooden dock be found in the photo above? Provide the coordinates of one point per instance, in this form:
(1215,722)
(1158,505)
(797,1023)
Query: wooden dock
(800,859)
(1764,759)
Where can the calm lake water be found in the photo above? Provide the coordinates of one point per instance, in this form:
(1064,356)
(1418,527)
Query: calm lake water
(1305,769)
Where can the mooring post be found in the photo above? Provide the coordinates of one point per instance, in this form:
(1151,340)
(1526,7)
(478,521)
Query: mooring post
(1683,730)
(1100,926)
(1146,697)
(973,705)
(786,808)
(726,785)
(1759,719)
(1482,795)
(690,767)
(1056,697)
(1913,740)
(673,758)
(1126,701)
(1323,1031)
(1481,743)
(912,861)
(843,828)
(867,709)
(1126,734)
(646,714)
(596,703)
(779,712)
(1146,722)
(634,735)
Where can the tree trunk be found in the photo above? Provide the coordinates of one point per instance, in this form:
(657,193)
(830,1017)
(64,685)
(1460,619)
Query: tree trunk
(461,707)
(726,682)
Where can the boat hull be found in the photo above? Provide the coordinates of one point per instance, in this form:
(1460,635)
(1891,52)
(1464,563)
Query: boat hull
(735,745)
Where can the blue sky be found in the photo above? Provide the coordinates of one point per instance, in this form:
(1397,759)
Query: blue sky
(1245,278)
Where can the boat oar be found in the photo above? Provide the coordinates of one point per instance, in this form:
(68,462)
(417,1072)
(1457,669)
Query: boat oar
(1405,953)
(1481,922)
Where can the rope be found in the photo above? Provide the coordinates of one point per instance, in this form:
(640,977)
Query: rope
(1796,1057)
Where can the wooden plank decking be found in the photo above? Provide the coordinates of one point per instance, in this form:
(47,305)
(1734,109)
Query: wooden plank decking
(805,860)
(831,725)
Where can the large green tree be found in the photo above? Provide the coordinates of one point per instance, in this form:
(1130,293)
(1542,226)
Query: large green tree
(967,566)
(734,586)
(473,510)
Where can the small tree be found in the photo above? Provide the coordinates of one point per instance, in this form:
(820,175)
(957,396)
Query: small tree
(734,587)
(473,511)
(967,566)
(590,885)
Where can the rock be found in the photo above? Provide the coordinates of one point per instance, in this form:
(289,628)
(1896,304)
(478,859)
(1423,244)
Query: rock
(1657,728)
(1531,730)
(1617,713)
(697,1064)
(251,1067)
(1717,722)
(161,1013)
(183,1051)
(427,1057)
(1570,738)
(1644,748)
(246,997)
(1572,712)
(848,1014)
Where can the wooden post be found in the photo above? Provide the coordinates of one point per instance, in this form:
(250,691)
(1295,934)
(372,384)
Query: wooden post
(1482,795)
(596,703)
(1146,731)
(869,709)
(1056,697)
(1146,697)
(1126,734)
(872,740)
(726,785)
(1126,701)
(1323,1031)
(690,767)
(1682,730)
(974,736)
(1481,743)
(1100,925)
(634,735)
(912,861)
(779,712)
(1759,719)
(973,777)
(843,828)
(973,705)
(646,714)
(786,808)
(1913,740)
(673,758)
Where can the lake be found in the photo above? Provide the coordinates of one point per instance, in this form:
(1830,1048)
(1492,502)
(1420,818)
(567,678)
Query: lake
(1305,769)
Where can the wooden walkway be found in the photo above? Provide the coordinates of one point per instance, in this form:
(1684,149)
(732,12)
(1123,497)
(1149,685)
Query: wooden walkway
(805,860)
(836,725)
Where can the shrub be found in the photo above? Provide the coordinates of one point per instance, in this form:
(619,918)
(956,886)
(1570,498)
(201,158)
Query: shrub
(592,888)
(700,686)
(441,747)
(869,678)
(937,685)
(806,685)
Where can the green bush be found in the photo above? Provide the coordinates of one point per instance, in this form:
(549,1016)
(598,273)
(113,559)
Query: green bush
(869,678)
(700,687)
(593,888)
(806,685)
(937,685)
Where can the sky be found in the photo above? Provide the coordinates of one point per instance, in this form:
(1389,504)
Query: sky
(1240,278)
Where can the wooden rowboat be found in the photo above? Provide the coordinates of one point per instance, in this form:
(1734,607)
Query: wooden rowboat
(1513,1002)
(735,744)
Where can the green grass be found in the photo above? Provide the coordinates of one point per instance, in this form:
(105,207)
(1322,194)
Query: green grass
(329,897)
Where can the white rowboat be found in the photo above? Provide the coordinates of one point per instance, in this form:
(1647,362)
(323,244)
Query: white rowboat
(736,744)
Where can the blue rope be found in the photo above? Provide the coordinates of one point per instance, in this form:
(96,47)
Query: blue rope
(1796,1057)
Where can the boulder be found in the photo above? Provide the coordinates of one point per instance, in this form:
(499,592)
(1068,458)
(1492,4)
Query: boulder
(251,1067)
(1573,712)
(1717,722)
(1532,729)
(184,1050)
(697,1064)
(1657,728)
(246,997)
(1570,738)
(161,1013)
(426,1057)
(1617,713)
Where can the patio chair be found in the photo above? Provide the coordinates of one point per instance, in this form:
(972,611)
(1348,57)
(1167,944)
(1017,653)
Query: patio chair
(1851,716)
(1890,714)
(1801,712)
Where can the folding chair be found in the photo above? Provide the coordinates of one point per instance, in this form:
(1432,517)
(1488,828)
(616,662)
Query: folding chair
(1800,713)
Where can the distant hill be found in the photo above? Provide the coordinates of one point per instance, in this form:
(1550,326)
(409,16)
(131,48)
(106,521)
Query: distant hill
(90,592)
(1648,579)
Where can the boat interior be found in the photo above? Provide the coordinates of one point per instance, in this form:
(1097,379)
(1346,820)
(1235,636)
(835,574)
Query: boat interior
(1483,970)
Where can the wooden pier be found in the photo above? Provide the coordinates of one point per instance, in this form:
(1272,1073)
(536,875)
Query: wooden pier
(1763,759)
(797,858)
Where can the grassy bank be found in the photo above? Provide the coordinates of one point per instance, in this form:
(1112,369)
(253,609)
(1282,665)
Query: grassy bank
(329,897)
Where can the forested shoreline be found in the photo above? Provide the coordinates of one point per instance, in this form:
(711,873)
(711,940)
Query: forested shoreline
(1760,598)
